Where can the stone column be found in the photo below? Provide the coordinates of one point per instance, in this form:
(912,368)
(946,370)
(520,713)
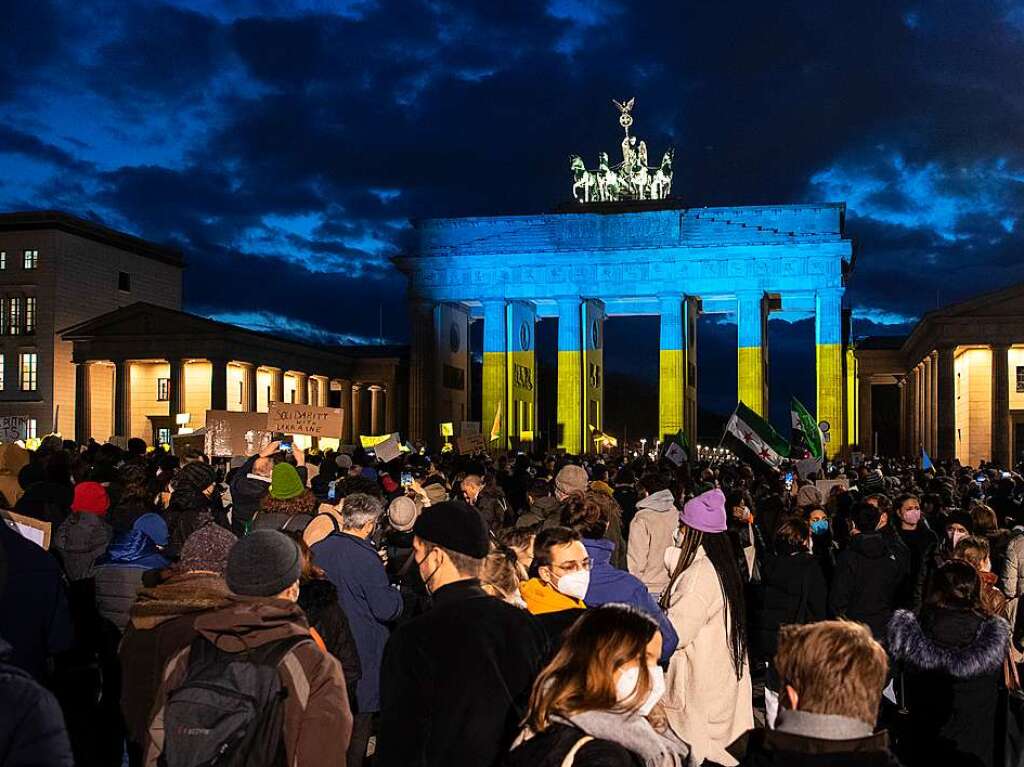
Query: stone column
(176,375)
(390,404)
(496,373)
(301,388)
(901,385)
(671,367)
(357,412)
(918,410)
(345,402)
(865,436)
(828,338)
(122,398)
(945,400)
(935,404)
(691,312)
(218,384)
(422,372)
(250,388)
(751,322)
(929,405)
(570,375)
(1000,452)
(83,403)
(276,385)
(376,422)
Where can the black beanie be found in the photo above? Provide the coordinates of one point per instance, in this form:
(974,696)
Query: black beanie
(454,526)
(262,564)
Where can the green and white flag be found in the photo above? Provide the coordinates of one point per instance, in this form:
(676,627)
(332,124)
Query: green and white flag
(756,436)
(809,436)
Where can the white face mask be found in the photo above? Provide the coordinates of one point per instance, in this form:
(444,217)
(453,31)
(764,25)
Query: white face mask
(574,584)
(630,678)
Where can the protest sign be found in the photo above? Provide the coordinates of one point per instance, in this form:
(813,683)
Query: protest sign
(230,433)
(312,420)
(389,449)
(368,441)
(448,429)
(807,466)
(471,444)
(826,485)
(182,442)
(14,427)
(469,428)
(35,530)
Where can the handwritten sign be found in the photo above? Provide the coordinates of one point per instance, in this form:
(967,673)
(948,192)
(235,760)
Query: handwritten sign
(36,531)
(14,427)
(311,420)
(389,449)
(230,433)
(448,429)
(471,443)
(826,485)
(367,441)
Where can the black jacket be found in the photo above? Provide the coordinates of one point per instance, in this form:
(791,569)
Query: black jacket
(868,573)
(456,680)
(951,662)
(921,544)
(246,495)
(318,598)
(32,729)
(771,748)
(793,591)
(549,749)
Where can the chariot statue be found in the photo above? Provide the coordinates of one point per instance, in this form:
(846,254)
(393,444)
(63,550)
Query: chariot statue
(631,179)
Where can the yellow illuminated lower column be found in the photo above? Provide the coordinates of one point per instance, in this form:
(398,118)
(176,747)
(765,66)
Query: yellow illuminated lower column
(672,360)
(829,365)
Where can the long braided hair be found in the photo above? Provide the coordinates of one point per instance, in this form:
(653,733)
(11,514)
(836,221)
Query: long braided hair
(719,550)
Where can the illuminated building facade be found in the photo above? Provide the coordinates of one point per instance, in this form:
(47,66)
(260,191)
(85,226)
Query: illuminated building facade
(590,262)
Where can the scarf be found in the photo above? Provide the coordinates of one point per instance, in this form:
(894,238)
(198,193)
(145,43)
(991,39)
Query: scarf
(822,726)
(635,734)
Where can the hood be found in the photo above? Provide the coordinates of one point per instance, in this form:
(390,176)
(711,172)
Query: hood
(659,501)
(249,622)
(180,595)
(600,551)
(987,642)
(870,545)
(541,598)
(602,487)
(547,505)
(130,547)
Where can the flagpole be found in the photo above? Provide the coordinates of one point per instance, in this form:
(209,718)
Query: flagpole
(726,429)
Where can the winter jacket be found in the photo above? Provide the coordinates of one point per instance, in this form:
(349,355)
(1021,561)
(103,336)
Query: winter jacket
(186,513)
(626,496)
(868,574)
(1011,578)
(327,520)
(456,680)
(79,541)
(367,599)
(998,543)
(706,705)
(921,544)
(952,664)
(32,732)
(123,516)
(319,600)
(544,513)
(317,722)
(771,748)
(541,598)
(650,536)
(608,584)
(247,490)
(161,625)
(35,618)
(118,574)
(551,747)
(794,592)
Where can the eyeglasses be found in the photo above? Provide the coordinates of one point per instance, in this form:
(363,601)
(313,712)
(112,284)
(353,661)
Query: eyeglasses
(572,567)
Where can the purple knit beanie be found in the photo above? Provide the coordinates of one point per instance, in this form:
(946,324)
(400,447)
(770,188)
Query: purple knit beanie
(706,512)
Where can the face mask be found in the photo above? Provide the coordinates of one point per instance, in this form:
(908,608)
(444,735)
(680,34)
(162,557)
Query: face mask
(911,516)
(574,584)
(427,579)
(819,526)
(630,678)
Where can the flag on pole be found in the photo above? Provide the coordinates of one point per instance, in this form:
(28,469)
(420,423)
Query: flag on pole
(806,436)
(496,426)
(676,448)
(926,461)
(754,435)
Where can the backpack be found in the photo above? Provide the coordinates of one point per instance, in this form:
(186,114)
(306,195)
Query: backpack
(229,709)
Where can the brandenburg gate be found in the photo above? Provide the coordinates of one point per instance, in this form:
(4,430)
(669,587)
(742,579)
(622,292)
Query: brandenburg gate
(624,248)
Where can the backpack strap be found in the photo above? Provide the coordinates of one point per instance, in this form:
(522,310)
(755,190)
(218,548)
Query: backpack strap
(570,758)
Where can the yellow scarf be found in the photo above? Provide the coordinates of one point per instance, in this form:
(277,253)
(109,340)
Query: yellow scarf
(540,598)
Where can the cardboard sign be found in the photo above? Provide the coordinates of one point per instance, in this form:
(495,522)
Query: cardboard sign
(14,427)
(367,441)
(230,433)
(448,430)
(311,420)
(182,442)
(807,466)
(389,449)
(826,485)
(471,444)
(36,531)
(469,428)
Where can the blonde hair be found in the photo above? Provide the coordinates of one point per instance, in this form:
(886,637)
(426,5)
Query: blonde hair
(836,667)
(973,549)
(499,574)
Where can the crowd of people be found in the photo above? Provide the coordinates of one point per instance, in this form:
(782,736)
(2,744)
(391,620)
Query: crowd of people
(321,608)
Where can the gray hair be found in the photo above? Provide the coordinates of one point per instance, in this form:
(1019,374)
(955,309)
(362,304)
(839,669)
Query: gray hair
(358,509)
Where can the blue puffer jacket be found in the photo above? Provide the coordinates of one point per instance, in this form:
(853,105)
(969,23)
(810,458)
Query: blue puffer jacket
(608,584)
(118,574)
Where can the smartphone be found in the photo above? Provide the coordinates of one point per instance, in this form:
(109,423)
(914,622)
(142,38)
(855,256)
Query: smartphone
(332,490)
(286,446)
(789,480)
(980,478)
(1006,475)
(406,478)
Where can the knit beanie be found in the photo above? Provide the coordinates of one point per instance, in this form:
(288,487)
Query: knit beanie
(285,482)
(91,498)
(207,549)
(706,512)
(154,526)
(194,476)
(343,461)
(402,513)
(571,479)
(808,495)
(264,563)
(455,526)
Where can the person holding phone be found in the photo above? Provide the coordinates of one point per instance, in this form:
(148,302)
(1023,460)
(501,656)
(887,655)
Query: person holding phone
(251,483)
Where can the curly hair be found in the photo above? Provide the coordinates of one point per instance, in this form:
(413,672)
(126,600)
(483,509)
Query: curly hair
(584,515)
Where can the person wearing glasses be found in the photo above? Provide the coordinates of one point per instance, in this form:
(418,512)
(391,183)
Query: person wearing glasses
(561,575)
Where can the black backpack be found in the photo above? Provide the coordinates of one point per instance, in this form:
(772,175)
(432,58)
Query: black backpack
(229,709)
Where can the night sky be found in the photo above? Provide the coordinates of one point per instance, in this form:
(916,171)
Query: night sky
(284,146)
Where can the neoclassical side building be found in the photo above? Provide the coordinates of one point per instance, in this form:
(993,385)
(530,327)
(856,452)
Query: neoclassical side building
(954,386)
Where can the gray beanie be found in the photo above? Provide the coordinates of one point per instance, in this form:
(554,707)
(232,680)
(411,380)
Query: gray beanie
(263,563)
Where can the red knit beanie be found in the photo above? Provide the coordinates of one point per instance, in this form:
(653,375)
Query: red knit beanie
(91,498)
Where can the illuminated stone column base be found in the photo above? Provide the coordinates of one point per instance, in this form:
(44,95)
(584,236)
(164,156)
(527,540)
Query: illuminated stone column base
(495,385)
(670,391)
(750,378)
(570,395)
(829,365)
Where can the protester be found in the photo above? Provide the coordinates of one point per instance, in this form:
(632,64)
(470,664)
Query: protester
(499,576)
(708,700)
(920,542)
(650,534)
(134,500)
(288,506)
(261,623)
(118,572)
(544,509)
(249,484)
(430,715)
(595,702)
(353,565)
(189,507)
(572,481)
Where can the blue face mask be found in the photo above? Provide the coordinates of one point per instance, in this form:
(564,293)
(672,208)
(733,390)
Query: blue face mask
(819,526)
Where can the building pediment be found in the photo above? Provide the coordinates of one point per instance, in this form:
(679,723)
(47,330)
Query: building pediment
(143,319)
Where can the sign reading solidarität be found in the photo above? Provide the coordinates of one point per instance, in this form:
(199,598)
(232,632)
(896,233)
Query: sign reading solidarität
(13,427)
(311,420)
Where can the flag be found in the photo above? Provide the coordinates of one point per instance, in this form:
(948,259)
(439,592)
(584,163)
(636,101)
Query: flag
(496,426)
(676,448)
(926,461)
(805,435)
(756,436)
